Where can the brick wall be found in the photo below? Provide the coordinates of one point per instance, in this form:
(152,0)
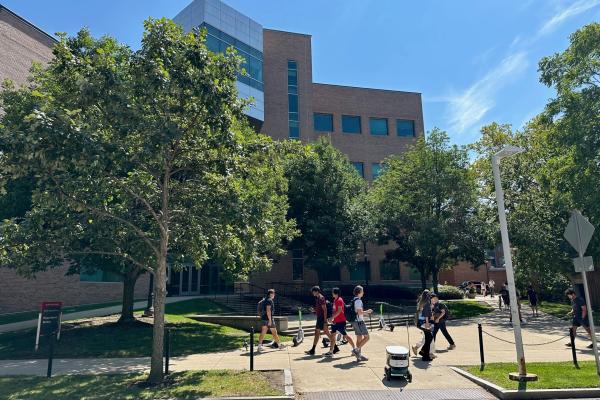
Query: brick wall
(22,294)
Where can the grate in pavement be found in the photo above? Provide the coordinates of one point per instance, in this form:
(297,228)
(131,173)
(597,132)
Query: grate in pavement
(409,394)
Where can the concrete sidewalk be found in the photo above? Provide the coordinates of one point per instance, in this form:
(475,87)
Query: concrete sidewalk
(96,312)
(342,372)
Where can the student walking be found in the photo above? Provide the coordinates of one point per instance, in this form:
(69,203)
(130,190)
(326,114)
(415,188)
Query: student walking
(359,326)
(533,300)
(424,323)
(505,295)
(579,312)
(440,316)
(338,323)
(320,309)
(491,285)
(267,308)
(483,289)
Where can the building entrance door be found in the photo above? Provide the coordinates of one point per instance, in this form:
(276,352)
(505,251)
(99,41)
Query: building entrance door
(190,280)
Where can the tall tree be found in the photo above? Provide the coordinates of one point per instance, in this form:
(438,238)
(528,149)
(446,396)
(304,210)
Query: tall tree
(322,188)
(426,203)
(149,147)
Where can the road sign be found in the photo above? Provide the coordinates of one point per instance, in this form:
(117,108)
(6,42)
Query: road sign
(49,320)
(583,264)
(579,232)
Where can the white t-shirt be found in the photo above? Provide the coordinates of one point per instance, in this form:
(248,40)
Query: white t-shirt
(358,305)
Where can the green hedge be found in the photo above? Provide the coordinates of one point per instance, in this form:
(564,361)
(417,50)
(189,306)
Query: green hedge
(449,293)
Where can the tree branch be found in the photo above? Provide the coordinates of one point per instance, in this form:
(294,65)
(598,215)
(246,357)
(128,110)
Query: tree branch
(114,254)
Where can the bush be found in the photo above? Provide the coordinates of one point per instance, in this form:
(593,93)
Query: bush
(449,293)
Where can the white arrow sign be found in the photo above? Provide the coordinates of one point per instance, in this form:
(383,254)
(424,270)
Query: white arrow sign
(579,232)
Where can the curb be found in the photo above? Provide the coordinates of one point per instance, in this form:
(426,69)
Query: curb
(288,386)
(535,394)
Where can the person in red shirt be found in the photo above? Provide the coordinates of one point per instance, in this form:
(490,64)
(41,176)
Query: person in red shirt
(320,309)
(338,323)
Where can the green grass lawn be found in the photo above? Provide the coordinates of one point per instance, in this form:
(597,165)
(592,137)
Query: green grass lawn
(551,375)
(184,385)
(467,308)
(102,337)
(559,310)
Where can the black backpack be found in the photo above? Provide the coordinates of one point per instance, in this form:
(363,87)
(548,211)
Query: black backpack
(260,307)
(350,311)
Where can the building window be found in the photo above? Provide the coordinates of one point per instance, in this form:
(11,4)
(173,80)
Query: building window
(360,168)
(405,127)
(376,170)
(378,126)
(297,265)
(331,274)
(358,272)
(293,115)
(351,124)
(218,41)
(414,275)
(389,270)
(99,276)
(323,122)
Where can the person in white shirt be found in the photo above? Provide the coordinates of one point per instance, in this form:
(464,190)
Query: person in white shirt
(359,326)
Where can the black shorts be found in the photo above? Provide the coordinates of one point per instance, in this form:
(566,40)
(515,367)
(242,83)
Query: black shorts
(320,323)
(339,327)
(577,322)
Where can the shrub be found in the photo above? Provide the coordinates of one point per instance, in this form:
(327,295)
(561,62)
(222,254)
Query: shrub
(449,293)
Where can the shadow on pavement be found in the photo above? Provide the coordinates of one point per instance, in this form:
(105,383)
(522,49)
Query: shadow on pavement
(398,383)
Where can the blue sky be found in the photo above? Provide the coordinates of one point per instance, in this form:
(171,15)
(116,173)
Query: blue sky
(474,61)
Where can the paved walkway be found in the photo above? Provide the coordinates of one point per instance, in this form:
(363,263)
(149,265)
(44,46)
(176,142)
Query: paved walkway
(96,312)
(319,374)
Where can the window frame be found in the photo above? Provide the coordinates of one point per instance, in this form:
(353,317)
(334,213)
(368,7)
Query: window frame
(322,115)
(353,117)
(402,120)
(387,126)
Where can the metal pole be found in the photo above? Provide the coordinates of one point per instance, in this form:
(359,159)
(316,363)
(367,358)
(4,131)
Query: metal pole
(588,302)
(480,330)
(572,335)
(510,277)
(167,350)
(252,349)
(50,355)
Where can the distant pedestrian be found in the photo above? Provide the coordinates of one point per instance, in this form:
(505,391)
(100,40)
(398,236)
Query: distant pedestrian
(491,285)
(359,326)
(579,312)
(320,309)
(533,300)
(505,295)
(425,324)
(268,321)
(440,316)
(483,289)
(338,321)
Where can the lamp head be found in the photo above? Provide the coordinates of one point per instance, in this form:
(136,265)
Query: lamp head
(508,151)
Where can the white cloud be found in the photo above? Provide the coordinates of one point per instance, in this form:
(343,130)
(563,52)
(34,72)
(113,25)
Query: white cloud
(573,10)
(469,107)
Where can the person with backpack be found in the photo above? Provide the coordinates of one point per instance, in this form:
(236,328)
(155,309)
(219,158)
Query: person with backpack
(440,316)
(579,312)
(424,323)
(358,323)
(338,323)
(533,300)
(266,309)
(321,310)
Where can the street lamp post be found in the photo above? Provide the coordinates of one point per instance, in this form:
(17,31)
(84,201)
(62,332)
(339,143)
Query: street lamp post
(510,276)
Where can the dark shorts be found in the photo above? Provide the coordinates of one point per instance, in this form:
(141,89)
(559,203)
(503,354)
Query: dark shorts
(320,323)
(577,322)
(265,322)
(533,303)
(339,327)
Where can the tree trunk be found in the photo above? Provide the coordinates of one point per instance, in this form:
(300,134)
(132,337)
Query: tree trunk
(434,278)
(129,280)
(160,292)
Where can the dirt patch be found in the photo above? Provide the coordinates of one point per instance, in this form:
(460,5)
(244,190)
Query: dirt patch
(275,378)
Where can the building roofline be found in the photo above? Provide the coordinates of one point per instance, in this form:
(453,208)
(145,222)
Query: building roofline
(2,7)
(291,33)
(367,88)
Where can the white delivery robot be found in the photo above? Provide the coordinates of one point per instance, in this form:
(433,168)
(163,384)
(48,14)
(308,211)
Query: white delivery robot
(397,363)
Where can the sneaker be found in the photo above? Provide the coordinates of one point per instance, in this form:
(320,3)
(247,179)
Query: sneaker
(452,347)
(432,356)
(590,346)
(363,358)
(415,349)
(568,344)
(259,349)
(328,354)
(310,352)
(281,346)
(336,350)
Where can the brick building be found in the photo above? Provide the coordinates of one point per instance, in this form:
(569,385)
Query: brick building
(21,44)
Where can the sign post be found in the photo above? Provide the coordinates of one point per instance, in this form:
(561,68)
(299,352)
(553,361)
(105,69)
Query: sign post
(49,326)
(578,233)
